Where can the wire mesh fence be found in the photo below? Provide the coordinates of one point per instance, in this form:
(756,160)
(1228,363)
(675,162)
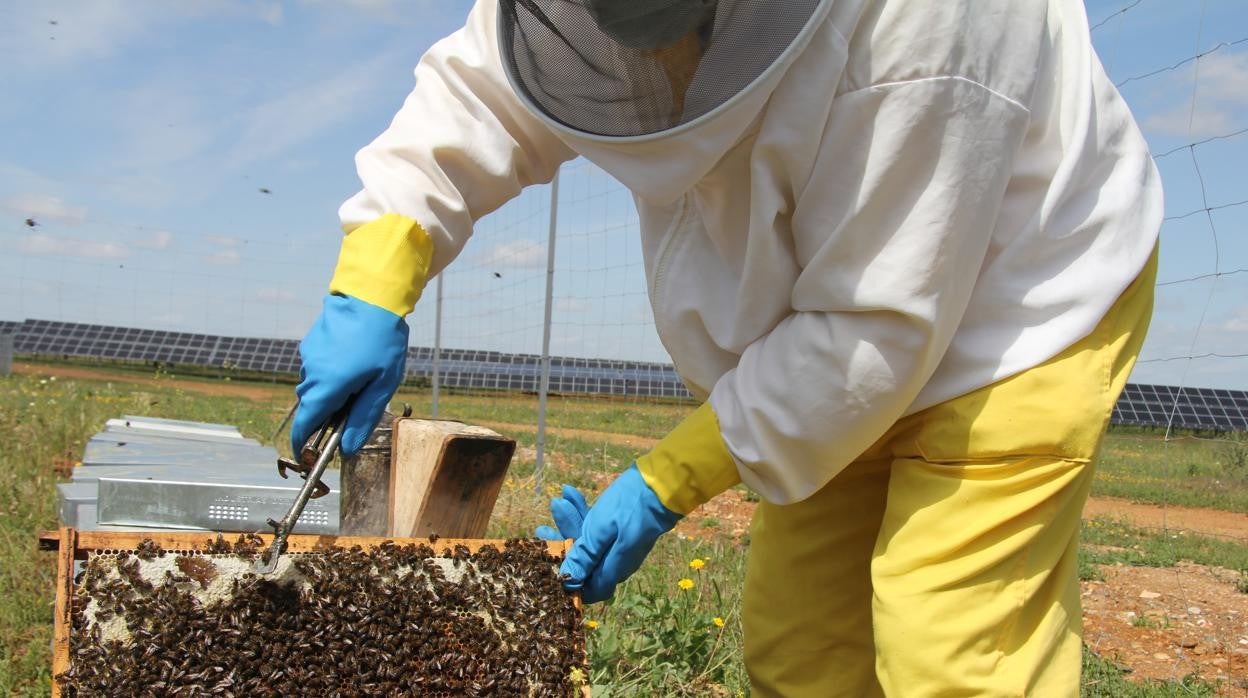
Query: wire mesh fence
(1181,67)
(546,311)
(553,286)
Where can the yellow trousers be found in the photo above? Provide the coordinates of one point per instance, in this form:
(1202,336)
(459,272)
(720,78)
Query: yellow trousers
(942,562)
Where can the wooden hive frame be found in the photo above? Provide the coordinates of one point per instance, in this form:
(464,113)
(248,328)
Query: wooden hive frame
(71,544)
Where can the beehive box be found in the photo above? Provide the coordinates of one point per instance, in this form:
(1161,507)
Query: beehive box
(183,614)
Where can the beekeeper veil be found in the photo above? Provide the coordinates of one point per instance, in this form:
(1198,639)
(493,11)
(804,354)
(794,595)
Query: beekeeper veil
(639,67)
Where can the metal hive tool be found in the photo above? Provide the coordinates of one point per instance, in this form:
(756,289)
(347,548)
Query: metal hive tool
(313,460)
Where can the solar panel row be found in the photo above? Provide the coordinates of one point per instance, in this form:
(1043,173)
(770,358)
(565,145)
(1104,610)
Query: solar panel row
(1194,408)
(45,337)
(1141,405)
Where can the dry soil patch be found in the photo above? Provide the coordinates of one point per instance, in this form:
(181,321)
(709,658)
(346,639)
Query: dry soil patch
(1170,622)
(1209,522)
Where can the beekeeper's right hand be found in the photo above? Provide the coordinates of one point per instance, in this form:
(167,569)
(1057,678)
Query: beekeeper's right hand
(357,348)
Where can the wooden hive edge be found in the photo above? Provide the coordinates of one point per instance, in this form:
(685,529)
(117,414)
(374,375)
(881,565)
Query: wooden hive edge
(71,544)
(94,541)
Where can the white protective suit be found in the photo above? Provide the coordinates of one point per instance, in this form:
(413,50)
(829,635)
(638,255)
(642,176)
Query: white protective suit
(883,221)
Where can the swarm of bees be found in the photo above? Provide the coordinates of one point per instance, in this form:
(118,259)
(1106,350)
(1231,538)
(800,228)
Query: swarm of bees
(391,620)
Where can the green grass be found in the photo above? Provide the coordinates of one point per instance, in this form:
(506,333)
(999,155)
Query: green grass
(1117,542)
(45,422)
(1105,679)
(1185,471)
(654,639)
(165,370)
(635,418)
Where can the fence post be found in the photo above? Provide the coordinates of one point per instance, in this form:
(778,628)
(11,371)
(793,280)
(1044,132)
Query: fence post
(544,386)
(434,379)
(6,353)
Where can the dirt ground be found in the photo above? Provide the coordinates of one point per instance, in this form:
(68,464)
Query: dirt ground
(1167,623)
(1159,623)
(1209,522)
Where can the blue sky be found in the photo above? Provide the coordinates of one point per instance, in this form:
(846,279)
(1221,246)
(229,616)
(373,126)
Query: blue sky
(139,136)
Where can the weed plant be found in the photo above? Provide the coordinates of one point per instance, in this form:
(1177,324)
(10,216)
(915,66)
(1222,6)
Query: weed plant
(674,628)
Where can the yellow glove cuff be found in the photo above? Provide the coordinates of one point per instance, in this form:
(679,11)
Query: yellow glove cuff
(385,263)
(691,464)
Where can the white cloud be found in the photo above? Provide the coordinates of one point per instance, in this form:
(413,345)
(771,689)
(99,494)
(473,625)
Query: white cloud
(227,253)
(84,29)
(170,319)
(96,29)
(164,121)
(225,257)
(1204,122)
(516,254)
(571,305)
(565,342)
(19,177)
(382,8)
(159,240)
(44,208)
(272,127)
(1237,322)
(49,246)
(1220,102)
(270,13)
(1226,76)
(276,295)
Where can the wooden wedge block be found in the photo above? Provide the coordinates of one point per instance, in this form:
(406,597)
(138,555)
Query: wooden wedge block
(445,477)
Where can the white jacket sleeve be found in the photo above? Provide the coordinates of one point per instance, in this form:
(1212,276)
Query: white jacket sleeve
(890,234)
(461,146)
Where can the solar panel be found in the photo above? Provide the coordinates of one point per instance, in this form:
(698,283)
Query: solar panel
(1187,408)
(1148,405)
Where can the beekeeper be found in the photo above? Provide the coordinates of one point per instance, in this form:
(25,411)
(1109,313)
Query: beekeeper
(902,250)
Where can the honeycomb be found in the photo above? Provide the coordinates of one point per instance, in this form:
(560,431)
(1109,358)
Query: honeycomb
(389,620)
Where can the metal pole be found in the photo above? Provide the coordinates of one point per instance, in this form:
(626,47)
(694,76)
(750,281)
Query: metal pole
(437,347)
(544,386)
(7,341)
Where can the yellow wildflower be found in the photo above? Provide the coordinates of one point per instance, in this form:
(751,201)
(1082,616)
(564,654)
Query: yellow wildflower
(719,622)
(591,624)
(697,563)
(685,584)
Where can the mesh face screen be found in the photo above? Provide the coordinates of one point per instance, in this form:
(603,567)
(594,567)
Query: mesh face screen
(581,77)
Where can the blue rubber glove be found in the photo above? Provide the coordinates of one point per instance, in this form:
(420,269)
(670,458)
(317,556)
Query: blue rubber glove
(614,535)
(569,514)
(354,351)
